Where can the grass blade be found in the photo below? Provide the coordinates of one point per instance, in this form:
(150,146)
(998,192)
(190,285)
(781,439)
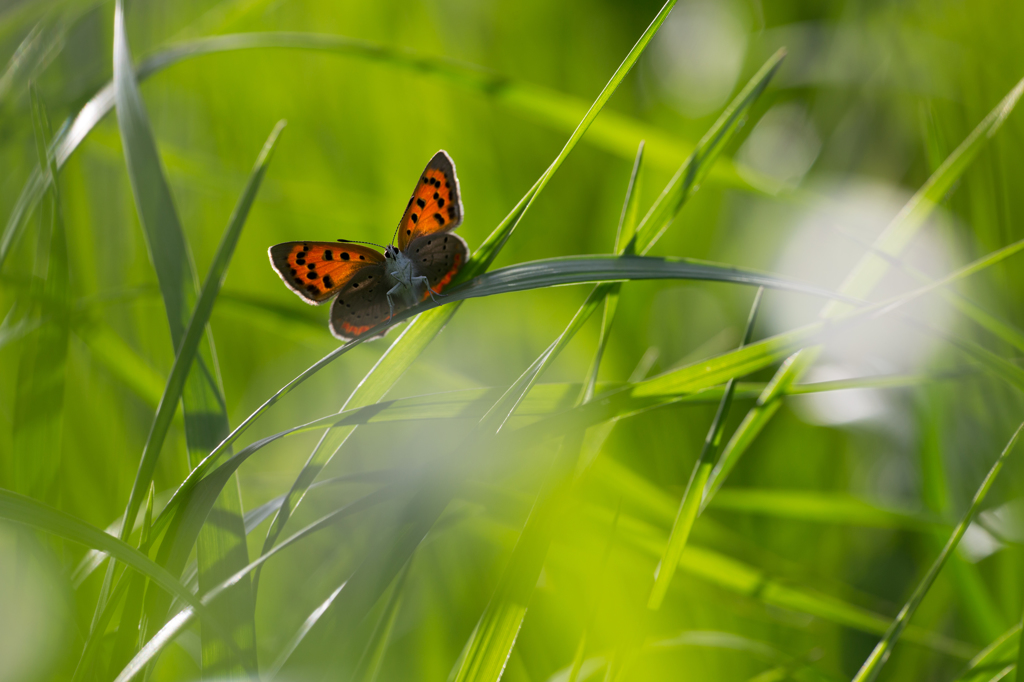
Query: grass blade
(880,654)
(690,505)
(623,236)
(195,329)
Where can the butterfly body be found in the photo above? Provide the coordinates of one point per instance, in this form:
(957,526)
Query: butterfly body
(408,284)
(371,287)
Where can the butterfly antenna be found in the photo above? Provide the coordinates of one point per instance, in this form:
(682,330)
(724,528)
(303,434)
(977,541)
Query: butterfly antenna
(397,227)
(353,241)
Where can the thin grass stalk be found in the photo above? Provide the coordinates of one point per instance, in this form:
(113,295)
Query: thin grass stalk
(880,654)
(690,506)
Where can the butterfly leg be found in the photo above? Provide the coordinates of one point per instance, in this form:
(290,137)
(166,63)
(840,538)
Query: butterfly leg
(393,291)
(425,282)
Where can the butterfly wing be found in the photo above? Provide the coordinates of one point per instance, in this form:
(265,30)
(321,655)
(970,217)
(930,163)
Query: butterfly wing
(361,304)
(318,270)
(436,203)
(438,257)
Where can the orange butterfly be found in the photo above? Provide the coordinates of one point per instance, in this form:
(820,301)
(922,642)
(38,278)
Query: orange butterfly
(371,286)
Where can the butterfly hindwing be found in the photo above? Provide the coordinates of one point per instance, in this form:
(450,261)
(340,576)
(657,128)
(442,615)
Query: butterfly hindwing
(436,203)
(362,304)
(438,257)
(318,270)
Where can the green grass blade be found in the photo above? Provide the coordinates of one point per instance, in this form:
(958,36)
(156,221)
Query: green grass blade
(488,251)
(994,658)
(690,504)
(880,654)
(157,213)
(623,236)
(195,329)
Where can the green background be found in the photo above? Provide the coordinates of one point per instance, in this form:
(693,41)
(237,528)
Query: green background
(845,497)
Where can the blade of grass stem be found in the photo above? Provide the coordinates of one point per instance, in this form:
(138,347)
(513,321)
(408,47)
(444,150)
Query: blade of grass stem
(623,235)
(690,505)
(880,654)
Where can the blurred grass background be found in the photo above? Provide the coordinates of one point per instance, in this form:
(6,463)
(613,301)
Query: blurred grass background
(846,496)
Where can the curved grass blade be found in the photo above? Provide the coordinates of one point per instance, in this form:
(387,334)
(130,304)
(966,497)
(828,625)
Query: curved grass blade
(893,240)
(214,548)
(196,326)
(690,505)
(880,654)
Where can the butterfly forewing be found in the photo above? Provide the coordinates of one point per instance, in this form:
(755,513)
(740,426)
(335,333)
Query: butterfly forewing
(318,270)
(361,304)
(438,257)
(436,203)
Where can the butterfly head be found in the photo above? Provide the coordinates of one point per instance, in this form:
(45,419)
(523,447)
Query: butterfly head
(391,252)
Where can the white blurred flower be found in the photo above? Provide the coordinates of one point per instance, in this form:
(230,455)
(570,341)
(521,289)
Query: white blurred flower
(826,241)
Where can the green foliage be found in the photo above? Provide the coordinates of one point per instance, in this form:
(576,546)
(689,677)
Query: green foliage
(507,488)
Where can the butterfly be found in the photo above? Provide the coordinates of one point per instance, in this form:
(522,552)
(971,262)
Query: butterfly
(371,287)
